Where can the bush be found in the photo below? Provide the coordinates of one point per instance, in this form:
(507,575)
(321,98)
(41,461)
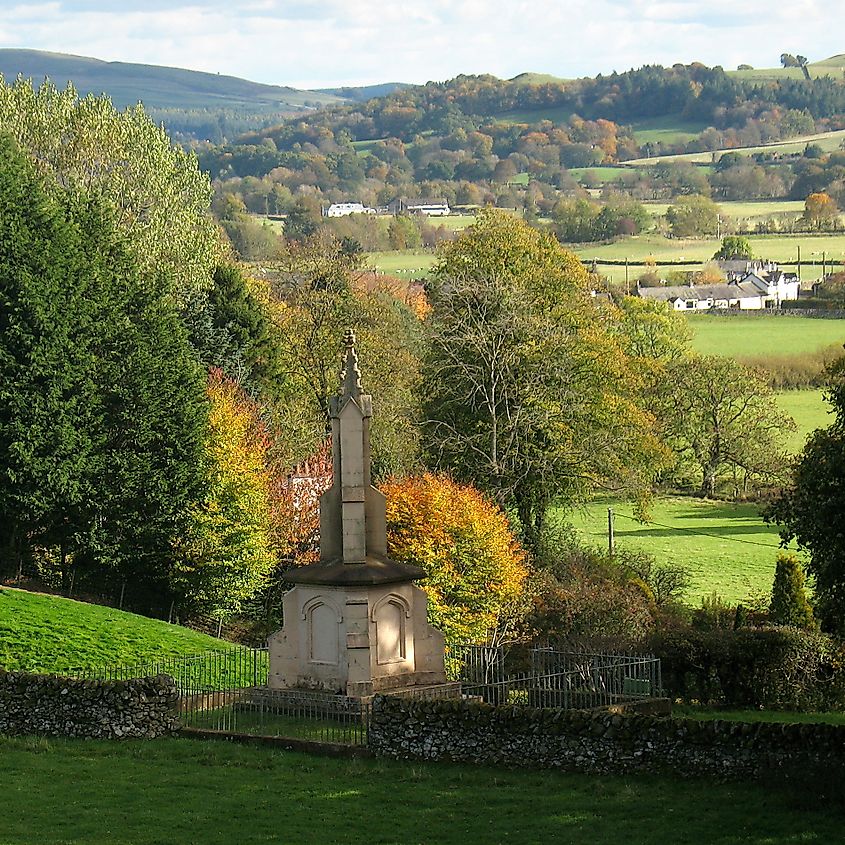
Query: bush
(772,667)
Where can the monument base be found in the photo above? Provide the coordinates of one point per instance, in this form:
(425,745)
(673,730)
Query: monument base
(356,640)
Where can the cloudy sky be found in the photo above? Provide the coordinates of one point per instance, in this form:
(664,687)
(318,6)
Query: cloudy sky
(318,43)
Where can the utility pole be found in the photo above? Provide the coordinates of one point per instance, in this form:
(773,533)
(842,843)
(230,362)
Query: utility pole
(799,262)
(610,543)
(627,286)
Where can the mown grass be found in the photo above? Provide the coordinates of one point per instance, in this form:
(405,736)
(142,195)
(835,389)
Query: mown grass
(726,546)
(185,791)
(40,633)
(809,410)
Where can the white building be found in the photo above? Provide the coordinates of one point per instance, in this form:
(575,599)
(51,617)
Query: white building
(341,209)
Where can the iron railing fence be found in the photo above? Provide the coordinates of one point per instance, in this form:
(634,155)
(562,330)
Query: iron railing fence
(211,671)
(227,689)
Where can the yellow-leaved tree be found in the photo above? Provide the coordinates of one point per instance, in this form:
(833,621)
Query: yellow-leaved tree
(228,551)
(475,567)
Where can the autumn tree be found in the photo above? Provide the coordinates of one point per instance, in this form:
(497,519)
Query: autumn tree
(475,569)
(722,416)
(820,211)
(227,551)
(526,393)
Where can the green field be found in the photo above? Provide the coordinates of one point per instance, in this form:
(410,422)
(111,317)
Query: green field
(413,264)
(744,211)
(726,546)
(667,129)
(66,792)
(834,66)
(809,410)
(743,336)
(42,633)
(599,174)
(828,141)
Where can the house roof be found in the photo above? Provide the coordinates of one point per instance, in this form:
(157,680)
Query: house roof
(672,292)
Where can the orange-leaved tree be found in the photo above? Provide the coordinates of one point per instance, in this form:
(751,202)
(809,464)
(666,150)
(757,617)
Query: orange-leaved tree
(476,569)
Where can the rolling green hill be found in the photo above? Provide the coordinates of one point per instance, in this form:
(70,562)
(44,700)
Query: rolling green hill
(155,86)
(833,66)
(42,633)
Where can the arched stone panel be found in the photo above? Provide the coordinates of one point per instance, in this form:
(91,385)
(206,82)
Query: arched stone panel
(390,615)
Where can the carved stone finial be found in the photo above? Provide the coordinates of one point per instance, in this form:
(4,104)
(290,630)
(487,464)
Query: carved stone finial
(351,374)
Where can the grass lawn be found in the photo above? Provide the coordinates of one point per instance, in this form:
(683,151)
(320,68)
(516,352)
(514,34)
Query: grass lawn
(41,633)
(744,210)
(726,546)
(741,336)
(214,793)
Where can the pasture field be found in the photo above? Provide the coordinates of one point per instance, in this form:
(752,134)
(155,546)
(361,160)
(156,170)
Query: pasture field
(828,141)
(809,410)
(414,264)
(726,546)
(834,66)
(558,114)
(759,335)
(216,793)
(751,211)
(667,129)
(599,174)
(41,633)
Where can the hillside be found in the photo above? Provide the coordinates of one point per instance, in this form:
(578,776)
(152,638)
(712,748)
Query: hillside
(156,86)
(42,633)
(833,67)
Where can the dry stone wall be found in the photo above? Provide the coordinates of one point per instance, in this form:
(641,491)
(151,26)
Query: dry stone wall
(55,706)
(598,742)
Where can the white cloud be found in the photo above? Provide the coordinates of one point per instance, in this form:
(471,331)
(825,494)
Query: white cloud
(310,43)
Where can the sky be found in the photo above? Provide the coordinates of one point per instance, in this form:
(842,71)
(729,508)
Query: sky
(323,43)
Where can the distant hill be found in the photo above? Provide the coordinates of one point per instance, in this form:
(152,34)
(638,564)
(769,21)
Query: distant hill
(158,87)
(833,67)
(362,93)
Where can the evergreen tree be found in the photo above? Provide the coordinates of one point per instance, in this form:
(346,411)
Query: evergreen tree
(789,604)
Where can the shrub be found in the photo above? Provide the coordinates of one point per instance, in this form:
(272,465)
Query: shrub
(772,667)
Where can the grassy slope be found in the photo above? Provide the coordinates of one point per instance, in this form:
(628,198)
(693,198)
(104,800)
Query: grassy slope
(218,793)
(826,140)
(832,66)
(49,634)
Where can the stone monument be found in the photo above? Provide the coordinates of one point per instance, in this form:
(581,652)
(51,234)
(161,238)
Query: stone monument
(355,623)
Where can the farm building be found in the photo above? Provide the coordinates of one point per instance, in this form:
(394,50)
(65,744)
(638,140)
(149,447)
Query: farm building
(431,207)
(341,209)
(706,297)
(750,286)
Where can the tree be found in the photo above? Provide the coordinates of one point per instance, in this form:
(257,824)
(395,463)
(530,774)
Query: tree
(525,393)
(693,216)
(820,211)
(227,553)
(810,509)
(789,605)
(103,411)
(85,146)
(475,568)
(734,246)
(721,416)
